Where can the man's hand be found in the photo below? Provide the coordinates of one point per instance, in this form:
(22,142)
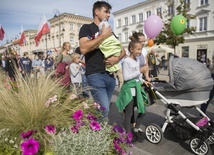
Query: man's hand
(110,61)
(106,31)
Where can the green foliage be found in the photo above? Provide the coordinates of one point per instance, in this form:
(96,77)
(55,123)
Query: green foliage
(84,142)
(167,36)
(9,144)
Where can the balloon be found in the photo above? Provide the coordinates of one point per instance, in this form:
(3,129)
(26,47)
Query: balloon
(178,24)
(153,26)
(150,43)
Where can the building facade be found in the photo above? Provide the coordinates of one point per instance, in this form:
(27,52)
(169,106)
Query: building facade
(132,18)
(63,28)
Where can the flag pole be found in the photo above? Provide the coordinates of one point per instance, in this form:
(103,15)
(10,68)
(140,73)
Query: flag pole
(46,46)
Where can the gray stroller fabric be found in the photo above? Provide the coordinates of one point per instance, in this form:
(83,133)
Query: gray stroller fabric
(189,74)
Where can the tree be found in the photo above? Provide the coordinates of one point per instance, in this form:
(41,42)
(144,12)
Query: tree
(167,36)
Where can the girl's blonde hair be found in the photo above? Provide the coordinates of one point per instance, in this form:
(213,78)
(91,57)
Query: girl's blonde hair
(74,56)
(63,46)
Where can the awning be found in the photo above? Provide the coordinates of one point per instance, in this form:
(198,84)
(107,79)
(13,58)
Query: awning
(161,49)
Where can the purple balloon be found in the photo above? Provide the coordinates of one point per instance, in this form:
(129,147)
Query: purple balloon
(153,26)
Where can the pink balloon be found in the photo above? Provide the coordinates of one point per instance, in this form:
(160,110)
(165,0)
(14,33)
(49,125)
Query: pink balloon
(153,26)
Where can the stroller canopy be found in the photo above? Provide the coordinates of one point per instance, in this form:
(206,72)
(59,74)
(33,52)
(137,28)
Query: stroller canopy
(189,74)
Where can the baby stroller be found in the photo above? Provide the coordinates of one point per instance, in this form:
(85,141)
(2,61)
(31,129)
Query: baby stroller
(189,86)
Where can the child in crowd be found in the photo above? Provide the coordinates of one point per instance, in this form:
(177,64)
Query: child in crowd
(75,73)
(132,94)
(38,67)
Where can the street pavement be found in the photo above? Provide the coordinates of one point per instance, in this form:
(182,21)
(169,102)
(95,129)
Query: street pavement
(169,145)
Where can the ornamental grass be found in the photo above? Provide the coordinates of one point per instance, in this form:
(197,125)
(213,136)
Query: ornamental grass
(38,116)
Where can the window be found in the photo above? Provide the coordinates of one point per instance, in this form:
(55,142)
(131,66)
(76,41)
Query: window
(119,23)
(57,29)
(148,13)
(141,31)
(204,2)
(188,24)
(203,24)
(119,36)
(159,12)
(140,17)
(72,40)
(126,21)
(79,26)
(126,36)
(171,10)
(71,26)
(185,51)
(133,19)
(187,4)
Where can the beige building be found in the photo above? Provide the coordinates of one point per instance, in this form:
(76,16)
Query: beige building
(63,28)
(132,19)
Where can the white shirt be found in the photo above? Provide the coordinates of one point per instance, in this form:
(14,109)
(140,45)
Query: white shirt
(75,73)
(131,70)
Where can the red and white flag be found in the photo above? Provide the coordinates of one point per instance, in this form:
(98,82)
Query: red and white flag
(1,33)
(22,38)
(42,29)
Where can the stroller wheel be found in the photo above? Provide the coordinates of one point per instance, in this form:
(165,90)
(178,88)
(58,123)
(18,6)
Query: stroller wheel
(199,146)
(154,133)
(210,140)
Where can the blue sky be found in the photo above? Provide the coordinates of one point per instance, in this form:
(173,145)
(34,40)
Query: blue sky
(14,13)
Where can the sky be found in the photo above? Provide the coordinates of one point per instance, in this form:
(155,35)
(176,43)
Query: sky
(27,13)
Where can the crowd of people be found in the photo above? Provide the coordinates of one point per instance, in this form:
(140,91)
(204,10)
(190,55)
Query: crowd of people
(38,66)
(87,66)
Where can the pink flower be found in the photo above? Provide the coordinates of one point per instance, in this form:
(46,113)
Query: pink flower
(78,115)
(102,108)
(91,117)
(118,129)
(129,138)
(50,100)
(75,129)
(117,147)
(79,123)
(95,126)
(28,134)
(50,129)
(97,105)
(30,147)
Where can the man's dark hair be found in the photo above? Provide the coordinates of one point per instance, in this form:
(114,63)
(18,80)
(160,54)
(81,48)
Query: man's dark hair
(99,5)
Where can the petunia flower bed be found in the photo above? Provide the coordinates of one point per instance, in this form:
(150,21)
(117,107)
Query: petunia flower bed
(91,136)
(40,118)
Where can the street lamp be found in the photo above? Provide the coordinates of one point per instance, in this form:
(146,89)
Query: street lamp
(57,15)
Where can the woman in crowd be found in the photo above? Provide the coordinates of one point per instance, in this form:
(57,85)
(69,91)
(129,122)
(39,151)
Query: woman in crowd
(63,61)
